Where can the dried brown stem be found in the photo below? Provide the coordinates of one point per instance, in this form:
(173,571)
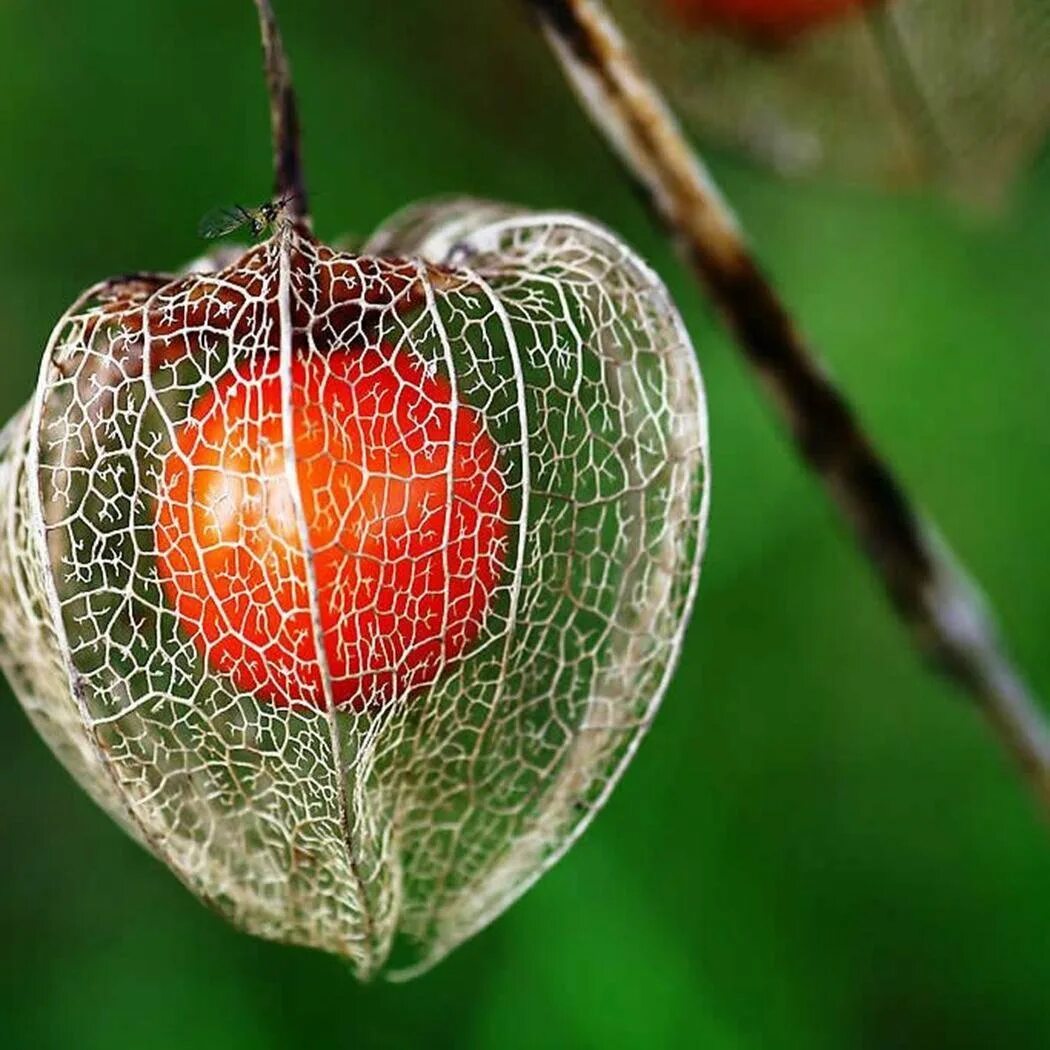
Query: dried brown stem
(288,182)
(932,595)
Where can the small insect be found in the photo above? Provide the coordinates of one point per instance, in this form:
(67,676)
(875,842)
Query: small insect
(220,221)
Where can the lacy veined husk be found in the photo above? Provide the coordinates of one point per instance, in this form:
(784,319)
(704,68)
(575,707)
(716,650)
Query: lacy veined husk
(387,833)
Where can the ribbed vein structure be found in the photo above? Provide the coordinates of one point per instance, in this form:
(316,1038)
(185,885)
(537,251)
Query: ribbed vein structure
(348,584)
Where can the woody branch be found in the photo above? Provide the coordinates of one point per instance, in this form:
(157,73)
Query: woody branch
(932,595)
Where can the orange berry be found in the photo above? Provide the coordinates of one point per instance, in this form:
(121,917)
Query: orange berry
(405,527)
(769,19)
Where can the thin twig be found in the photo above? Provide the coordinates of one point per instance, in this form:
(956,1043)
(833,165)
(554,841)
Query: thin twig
(943,610)
(288,182)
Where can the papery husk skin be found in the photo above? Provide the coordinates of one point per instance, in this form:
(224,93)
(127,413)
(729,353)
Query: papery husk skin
(417,821)
(948,93)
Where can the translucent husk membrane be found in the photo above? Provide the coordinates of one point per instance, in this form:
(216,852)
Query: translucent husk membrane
(405,825)
(954,92)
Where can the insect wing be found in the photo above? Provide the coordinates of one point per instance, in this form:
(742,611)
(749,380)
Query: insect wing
(220,221)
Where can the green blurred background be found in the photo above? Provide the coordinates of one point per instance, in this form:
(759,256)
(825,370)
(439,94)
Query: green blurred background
(819,845)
